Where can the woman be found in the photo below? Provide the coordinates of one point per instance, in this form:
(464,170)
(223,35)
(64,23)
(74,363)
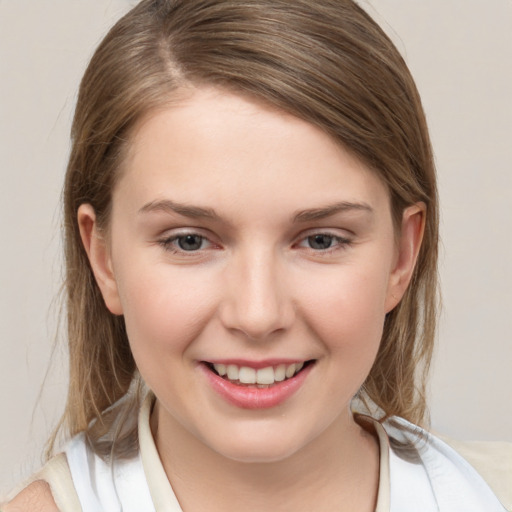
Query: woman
(251,247)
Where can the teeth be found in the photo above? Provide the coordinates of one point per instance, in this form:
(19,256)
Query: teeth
(232,372)
(247,375)
(263,377)
(280,373)
(220,369)
(290,371)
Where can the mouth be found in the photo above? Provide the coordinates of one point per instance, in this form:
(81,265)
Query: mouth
(256,385)
(259,378)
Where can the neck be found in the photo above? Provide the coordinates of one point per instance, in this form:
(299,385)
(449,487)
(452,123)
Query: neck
(338,470)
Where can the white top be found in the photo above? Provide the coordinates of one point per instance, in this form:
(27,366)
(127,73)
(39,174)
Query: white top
(418,472)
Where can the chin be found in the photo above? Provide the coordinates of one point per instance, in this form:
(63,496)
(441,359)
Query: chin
(258,454)
(262,447)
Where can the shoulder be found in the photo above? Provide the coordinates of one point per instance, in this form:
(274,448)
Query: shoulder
(462,476)
(493,461)
(36,497)
(49,490)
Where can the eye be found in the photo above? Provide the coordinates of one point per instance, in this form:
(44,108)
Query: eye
(190,242)
(186,242)
(321,241)
(324,242)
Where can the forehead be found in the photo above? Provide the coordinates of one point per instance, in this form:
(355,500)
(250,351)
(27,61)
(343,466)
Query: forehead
(217,147)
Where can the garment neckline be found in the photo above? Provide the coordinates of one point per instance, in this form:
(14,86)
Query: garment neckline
(161,490)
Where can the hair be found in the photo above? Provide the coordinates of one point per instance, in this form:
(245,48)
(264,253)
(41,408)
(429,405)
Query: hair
(326,62)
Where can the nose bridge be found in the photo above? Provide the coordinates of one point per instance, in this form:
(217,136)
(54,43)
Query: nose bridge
(257,303)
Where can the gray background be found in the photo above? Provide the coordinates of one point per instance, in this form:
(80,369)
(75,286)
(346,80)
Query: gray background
(460,52)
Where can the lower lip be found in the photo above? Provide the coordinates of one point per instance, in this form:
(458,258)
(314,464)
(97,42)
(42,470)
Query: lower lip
(248,397)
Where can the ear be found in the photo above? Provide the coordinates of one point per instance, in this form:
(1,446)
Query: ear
(408,247)
(99,257)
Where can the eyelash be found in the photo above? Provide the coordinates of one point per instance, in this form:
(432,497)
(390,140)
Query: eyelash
(169,243)
(339,241)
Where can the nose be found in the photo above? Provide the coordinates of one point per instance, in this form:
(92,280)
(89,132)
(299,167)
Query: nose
(257,300)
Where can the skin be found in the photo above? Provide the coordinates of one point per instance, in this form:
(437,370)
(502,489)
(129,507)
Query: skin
(255,289)
(36,497)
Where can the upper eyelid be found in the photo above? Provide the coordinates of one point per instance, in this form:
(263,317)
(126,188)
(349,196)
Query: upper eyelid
(334,232)
(173,234)
(341,239)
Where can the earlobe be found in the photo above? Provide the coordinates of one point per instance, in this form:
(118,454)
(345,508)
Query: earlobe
(97,251)
(408,247)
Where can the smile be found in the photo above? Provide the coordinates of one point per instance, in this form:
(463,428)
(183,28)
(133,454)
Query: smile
(264,387)
(262,377)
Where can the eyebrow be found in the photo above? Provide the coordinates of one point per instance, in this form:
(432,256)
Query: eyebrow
(166,205)
(198,212)
(332,209)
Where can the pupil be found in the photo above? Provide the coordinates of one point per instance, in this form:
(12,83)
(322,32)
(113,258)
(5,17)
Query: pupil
(190,242)
(320,241)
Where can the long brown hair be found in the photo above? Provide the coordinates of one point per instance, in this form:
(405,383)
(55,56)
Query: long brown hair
(326,62)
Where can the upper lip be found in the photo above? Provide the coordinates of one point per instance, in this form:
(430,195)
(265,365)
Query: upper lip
(262,363)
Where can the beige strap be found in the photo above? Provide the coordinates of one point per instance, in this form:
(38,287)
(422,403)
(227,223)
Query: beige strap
(56,473)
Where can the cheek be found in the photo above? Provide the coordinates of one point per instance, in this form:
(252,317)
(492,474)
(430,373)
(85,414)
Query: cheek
(165,309)
(346,309)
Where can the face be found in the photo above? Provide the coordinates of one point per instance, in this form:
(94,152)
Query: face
(254,261)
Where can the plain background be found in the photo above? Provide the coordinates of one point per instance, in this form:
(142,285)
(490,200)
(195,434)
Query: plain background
(460,52)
